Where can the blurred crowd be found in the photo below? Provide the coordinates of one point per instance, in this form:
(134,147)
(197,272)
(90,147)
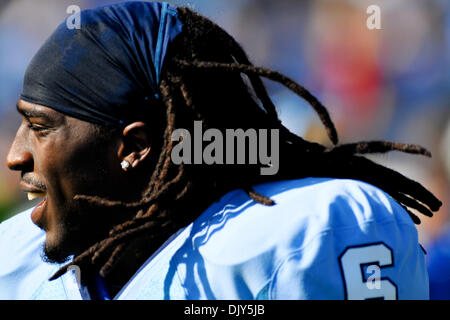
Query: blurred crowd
(391,83)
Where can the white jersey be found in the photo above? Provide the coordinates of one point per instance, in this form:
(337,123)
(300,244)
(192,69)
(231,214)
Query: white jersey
(323,239)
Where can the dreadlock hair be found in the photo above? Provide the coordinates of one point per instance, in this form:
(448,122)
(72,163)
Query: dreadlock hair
(207,76)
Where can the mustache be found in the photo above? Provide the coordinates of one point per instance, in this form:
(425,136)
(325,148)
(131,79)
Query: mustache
(32,181)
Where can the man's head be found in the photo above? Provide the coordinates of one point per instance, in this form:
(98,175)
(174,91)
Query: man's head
(84,95)
(60,157)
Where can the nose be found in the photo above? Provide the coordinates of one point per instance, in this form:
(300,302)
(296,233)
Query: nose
(19,158)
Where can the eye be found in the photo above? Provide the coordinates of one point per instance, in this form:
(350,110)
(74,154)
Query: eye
(37,127)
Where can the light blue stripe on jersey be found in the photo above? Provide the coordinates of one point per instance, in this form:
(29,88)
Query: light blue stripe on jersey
(318,242)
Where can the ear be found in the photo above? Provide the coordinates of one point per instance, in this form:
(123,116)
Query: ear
(135,145)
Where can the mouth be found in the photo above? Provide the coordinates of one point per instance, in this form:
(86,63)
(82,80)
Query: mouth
(34,193)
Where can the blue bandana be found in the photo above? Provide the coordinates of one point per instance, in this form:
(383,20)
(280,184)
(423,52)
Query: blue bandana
(109,67)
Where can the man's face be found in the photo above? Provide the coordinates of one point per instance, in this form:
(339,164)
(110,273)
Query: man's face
(60,157)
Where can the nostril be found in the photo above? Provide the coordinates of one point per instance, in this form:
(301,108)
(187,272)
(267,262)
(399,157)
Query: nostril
(19,161)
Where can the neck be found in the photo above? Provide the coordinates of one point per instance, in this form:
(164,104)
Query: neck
(125,267)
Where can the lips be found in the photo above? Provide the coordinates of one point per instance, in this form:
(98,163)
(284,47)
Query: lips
(28,188)
(34,192)
(38,212)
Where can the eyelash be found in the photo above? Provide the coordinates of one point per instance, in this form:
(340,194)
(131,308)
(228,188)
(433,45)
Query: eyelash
(36,128)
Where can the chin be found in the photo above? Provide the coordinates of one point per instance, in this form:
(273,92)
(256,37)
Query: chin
(52,254)
(56,248)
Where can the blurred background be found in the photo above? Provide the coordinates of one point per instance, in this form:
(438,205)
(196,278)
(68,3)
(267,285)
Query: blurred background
(391,83)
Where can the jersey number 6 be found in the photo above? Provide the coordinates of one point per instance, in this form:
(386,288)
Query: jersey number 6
(355,263)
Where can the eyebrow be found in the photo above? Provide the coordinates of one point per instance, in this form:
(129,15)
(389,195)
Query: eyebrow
(33,113)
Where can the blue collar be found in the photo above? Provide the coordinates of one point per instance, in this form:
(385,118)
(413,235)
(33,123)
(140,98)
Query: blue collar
(101,289)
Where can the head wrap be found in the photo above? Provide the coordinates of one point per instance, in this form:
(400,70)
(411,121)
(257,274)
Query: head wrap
(106,68)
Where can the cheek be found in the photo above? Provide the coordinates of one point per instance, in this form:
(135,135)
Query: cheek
(74,168)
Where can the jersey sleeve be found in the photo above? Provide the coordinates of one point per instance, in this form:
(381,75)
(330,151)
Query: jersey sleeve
(364,246)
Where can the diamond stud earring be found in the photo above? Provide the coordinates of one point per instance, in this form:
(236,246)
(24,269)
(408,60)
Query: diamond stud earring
(125,164)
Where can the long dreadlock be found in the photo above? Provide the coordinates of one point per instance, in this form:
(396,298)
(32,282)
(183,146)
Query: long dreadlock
(195,88)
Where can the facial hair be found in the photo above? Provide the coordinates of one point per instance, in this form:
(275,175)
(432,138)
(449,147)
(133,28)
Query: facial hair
(81,226)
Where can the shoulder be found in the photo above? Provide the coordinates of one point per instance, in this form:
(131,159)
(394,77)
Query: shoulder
(22,269)
(320,197)
(299,248)
(304,209)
